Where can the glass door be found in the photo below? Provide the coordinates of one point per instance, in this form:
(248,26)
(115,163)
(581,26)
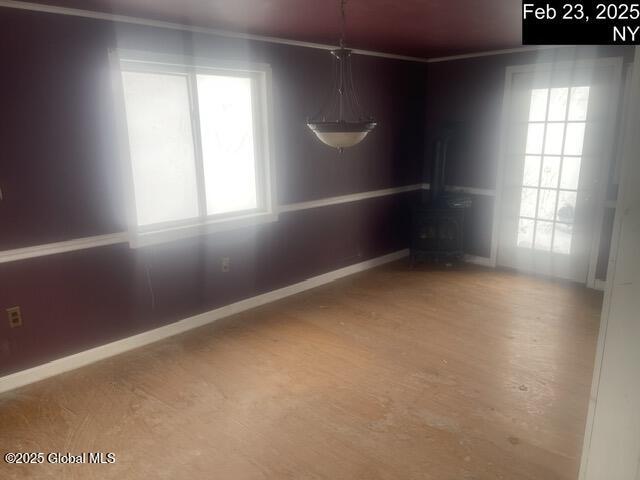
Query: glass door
(557,147)
(555,137)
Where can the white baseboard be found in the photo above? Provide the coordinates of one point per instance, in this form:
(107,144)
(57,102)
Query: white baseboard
(599,284)
(484,261)
(65,364)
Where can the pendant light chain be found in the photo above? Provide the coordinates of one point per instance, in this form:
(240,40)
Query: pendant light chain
(343,31)
(341,122)
(342,60)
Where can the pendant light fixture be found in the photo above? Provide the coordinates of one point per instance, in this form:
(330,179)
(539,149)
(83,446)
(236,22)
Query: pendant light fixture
(341,122)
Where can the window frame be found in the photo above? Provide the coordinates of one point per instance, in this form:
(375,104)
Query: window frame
(539,188)
(190,67)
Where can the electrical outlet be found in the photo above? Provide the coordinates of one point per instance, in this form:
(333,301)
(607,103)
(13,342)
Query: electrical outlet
(15,317)
(225,264)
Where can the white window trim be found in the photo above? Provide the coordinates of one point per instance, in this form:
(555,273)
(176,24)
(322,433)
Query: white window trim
(155,234)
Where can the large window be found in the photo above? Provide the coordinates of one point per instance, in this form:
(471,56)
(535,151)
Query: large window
(197,137)
(555,136)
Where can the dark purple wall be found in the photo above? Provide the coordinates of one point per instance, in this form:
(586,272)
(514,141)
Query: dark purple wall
(468,94)
(60,177)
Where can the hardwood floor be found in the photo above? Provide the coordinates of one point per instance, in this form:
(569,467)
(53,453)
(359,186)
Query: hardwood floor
(391,374)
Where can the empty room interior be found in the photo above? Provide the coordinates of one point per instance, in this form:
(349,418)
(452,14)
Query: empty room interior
(315,240)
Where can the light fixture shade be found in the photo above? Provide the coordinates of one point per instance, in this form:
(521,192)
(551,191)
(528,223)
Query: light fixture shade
(341,134)
(341,122)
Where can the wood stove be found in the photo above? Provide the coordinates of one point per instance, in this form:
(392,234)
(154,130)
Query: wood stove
(438,220)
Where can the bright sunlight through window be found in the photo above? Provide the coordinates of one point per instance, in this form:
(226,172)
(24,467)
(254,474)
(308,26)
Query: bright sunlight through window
(226,122)
(555,136)
(197,143)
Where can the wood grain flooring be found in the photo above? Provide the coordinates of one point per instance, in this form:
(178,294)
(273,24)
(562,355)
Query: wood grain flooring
(466,373)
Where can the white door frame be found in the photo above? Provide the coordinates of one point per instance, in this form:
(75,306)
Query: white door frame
(616,64)
(611,446)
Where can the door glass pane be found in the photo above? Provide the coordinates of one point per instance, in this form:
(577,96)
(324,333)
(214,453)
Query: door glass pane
(531,175)
(535,136)
(562,238)
(553,141)
(528,202)
(547,205)
(558,104)
(226,124)
(525,233)
(575,138)
(570,173)
(161,146)
(551,169)
(579,103)
(543,235)
(538,108)
(550,172)
(566,206)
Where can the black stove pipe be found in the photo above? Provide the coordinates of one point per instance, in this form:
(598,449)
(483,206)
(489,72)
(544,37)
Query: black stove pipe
(439,164)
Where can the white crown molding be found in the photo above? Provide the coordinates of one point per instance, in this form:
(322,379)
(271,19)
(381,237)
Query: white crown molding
(77,12)
(489,53)
(72,362)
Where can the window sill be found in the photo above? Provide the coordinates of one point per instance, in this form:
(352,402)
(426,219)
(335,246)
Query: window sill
(165,235)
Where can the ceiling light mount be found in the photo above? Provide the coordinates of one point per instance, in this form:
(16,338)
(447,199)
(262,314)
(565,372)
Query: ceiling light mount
(341,122)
